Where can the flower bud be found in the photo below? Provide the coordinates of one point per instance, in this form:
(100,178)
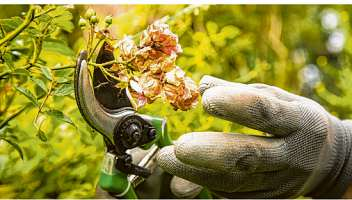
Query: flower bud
(108,20)
(82,23)
(89,13)
(94,19)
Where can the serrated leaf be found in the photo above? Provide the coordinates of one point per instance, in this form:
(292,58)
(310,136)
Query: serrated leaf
(62,18)
(63,90)
(11,24)
(46,72)
(41,135)
(28,94)
(60,116)
(57,46)
(39,83)
(14,145)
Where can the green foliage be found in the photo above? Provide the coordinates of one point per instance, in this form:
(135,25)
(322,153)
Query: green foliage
(39,120)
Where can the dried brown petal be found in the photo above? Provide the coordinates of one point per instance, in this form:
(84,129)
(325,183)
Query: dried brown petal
(175,76)
(127,47)
(147,85)
(184,96)
(159,37)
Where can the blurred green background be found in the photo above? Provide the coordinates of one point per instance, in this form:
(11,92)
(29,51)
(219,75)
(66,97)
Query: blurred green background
(306,50)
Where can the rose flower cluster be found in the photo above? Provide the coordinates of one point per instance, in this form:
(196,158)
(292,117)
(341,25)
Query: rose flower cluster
(158,76)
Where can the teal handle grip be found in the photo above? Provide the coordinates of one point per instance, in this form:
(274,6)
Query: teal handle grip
(117,182)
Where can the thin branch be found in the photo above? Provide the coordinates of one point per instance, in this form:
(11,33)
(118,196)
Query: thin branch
(12,116)
(44,12)
(96,46)
(27,67)
(106,63)
(64,67)
(43,103)
(28,19)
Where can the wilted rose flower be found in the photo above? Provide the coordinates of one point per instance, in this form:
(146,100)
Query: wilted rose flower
(182,97)
(146,87)
(159,36)
(175,76)
(180,90)
(163,64)
(127,47)
(157,74)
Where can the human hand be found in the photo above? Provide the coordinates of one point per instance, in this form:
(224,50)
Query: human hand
(309,153)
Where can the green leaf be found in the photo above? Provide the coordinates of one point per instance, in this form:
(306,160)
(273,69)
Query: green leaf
(22,72)
(41,135)
(230,32)
(57,46)
(62,18)
(63,90)
(28,94)
(34,32)
(46,72)
(212,27)
(11,24)
(14,145)
(60,116)
(40,83)
(8,60)
(62,80)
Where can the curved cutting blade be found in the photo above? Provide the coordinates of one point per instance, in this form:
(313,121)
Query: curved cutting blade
(97,117)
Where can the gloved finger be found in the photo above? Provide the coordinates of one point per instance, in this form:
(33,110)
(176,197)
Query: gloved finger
(231,153)
(183,188)
(216,180)
(210,81)
(252,108)
(202,176)
(277,92)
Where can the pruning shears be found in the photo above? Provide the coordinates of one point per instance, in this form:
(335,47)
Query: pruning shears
(108,110)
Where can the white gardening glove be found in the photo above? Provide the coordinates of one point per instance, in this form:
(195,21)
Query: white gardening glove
(309,153)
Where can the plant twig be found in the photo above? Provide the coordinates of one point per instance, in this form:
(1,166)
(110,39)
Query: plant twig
(44,12)
(106,63)
(95,47)
(43,103)
(64,67)
(28,19)
(12,116)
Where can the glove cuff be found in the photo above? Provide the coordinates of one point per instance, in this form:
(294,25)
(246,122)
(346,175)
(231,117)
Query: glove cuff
(336,184)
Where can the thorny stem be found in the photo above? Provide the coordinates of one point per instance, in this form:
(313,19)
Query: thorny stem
(28,19)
